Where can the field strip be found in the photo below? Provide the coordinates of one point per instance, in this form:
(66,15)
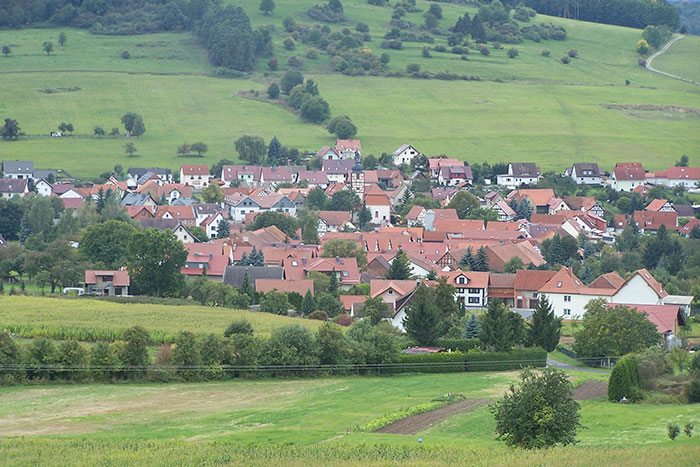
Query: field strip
(152,73)
(415,423)
(661,52)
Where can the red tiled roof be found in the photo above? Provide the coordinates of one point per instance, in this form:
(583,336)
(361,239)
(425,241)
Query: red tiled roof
(349,300)
(683,173)
(526,279)
(539,196)
(651,220)
(629,171)
(119,278)
(348,144)
(377,200)
(611,280)
(379,286)
(475,279)
(195,169)
(663,316)
(337,218)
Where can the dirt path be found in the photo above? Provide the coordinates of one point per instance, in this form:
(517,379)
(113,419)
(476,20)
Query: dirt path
(590,390)
(660,52)
(415,423)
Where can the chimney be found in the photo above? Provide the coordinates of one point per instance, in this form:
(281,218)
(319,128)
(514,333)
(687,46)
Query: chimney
(337,259)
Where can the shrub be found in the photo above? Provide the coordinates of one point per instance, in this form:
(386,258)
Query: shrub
(361,27)
(573,53)
(239,326)
(512,53)
(312,54)
(565,59)
(463,345)
(272,64)
(426,52)
(412,68)
(673,430)
(344,319)
(464,57)
(484,50)
(440,48)
(496,45)
(545,53)
(624,380)
(688,429)
(289,43)
(642,47)
(126,55)
(692,391)
(295,62)
(319,315)
(458,50)
(503,361)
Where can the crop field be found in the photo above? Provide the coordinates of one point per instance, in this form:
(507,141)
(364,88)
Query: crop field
(530,108)
(681,59)
(94,320)
(316,415)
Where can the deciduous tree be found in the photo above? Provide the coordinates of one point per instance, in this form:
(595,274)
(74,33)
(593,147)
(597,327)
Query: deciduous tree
(155,260)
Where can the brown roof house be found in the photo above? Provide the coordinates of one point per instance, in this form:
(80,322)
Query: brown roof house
(107,283)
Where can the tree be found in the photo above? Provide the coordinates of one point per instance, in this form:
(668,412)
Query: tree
(307,305)
(343,200)
(213,193)
(613,331)
(275,303)
(290,79)
(290,345)
(481,260)
(400,267)
(431,21)
(222,229)
(683,162)
(130,149)
(266,6)
(48,47)
(273,91)
(422,320)
(134,353)
(139,129)
(541,412)
(513,265)
(62,39)
(463,202)
(376,309)
(309,234)
(315,110)
(496,328)
(186,355)
(472,328)
(342,127)
(107,243)
(624,380)
(98,131)
(6,50)
(316,199)
(513,52)
(435,10)
(155,260)
(285,223)
(545,327)
(275,153)
(344,248)
(200,148)
(695,232)
(251,148)
(466,262)
(477,30)
(333,348)
(333,283)
(444,294)
(364,216)
(239,326)
(10,130)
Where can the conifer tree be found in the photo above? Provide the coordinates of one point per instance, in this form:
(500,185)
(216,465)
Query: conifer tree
(422,320)
(333,284)
(222,229)
(472,328)
(400,268)
(481,261)
(275,153)
(496,328)
(467,261)
(308,305)
(544,327)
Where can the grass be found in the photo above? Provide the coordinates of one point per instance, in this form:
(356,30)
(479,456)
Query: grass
(681,59)
(544,111)
(90,320)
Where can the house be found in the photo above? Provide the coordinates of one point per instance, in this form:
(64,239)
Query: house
(139,199)
(626,176)
(666,318)
(208,259)
(107,283)
(184,214)
(314,178)
(585,173)
(587,204)
(204,210)
(246,175)
(18,170)
(141,212)
(327,154)
(345,269)
(444,195)
(499,255)
(277,175)
(10,187)
(505,212)
(353,304)
(502,287)
(337,171)
(391,291)
(135,174)
(210,224)
(299,286)
(235,276)
(687,228)
(660,205)
(404,154)
(687,177)
(471,287)
(527,286)
(346,148)
(178,229)
(453,175)
(651,221)
(167,192)
(196,176)
(435,164)
(540,199)
(43,188)
(250,204)
(519,173)
(333,221)
(380,208)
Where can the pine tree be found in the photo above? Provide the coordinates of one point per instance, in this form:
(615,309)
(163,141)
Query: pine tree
(310,232)
(467,261)
(244,260)
(259,259)
(481,261)
(246,288)
(695,232)
(496,328)
(333,283)
(472,328)
(275,152)
(544,328)
(422,320)
(444,294)
(364,216)
(477,32)
(222,229)
(253,256)
(400,268)
(432,275)
(25,229)
(307,304)
(407,196)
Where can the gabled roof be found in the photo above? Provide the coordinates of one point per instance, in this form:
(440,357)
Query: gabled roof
(231,172)
(379,286)
(539,196)
(525,169)
(18,167)
(629,171)
(177,212)
(685,230)
(325,150)
(523,250)
(277,174)
(234,275)
(299,286)
(655,285)
(337,166)
(475,279)
(651,220)
(456,171)
(435,163)
(610,280)
(563,281)
(348,145)
(11,185)
(314,177)
(580,203)
(663,316)
(526,279)
(458,225)
(414,212)
(683,173)
(338,218)
(402,148)
(502,280)
(118,278)
(377,200)
(210,254)
(582,167)
(656,205)
(350,274)
(195,169)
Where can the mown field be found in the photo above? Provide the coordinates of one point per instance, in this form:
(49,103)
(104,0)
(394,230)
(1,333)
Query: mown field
(544,111)
(315,415)
(681,59)
(91,320)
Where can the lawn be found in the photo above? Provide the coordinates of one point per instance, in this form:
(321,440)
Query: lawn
(681,59)
(530,108)
(90,320)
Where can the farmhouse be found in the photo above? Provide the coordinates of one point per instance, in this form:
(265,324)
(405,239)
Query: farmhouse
(626,176)
(519,173)
(405,154)
(196,176)
(10,187)
(585,173)
(18,170)
(107,283)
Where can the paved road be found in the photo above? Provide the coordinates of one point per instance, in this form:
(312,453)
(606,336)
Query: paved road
(660,52)
(566,366)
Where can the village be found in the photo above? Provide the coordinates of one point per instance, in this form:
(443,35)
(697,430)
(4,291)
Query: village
(495,253)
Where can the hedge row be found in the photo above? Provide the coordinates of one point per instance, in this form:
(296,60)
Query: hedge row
(501,361)
(463,345)
(430,363)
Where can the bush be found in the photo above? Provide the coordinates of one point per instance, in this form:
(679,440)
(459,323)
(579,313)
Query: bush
(692,391)
(545,53)
(573,53)
(272,64)
(289,43)
(361,27)
(565,59)
(412,68)
(502,361)
(430,363)
(426,53)
(624,380)
(673,430)
(484,50)
(440,48)
(126,55)
(312,54)
(273,91)
(463,345)
(239,326)
(688,429)
(496,45)
(464,57)
(295,62)
(512,53)
(319,315)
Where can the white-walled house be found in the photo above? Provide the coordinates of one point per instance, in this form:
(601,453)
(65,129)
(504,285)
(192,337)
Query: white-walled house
(196,176)
(471,287)
(585,173)
(20,170)
(380,208)
(43,187)
(626,176)
(519,173)
(404,154)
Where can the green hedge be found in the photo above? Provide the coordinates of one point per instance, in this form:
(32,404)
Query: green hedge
(429,363)
(500,361)
(463,345)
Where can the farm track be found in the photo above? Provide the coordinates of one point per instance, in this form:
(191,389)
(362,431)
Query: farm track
(660,52)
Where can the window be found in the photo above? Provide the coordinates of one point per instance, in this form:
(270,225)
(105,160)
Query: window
(461,280)
(473,300)
(474,290)
(391,292)
(294,263)
(559,284)
(534,294)
(567,298)
(567,312)
(345,274)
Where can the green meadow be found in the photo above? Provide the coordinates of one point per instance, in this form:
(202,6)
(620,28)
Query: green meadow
(681,59)
(530,108)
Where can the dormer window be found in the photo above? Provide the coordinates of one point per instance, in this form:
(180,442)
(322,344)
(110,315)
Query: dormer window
(294,263)
(559,284)
(461,280)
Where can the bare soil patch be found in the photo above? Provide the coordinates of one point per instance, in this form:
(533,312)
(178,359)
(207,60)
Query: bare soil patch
(590,390)
(416,423)
(648,111)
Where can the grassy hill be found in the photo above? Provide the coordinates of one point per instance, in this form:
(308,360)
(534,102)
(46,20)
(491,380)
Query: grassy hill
(92,320)
(681,59)
(530,108)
